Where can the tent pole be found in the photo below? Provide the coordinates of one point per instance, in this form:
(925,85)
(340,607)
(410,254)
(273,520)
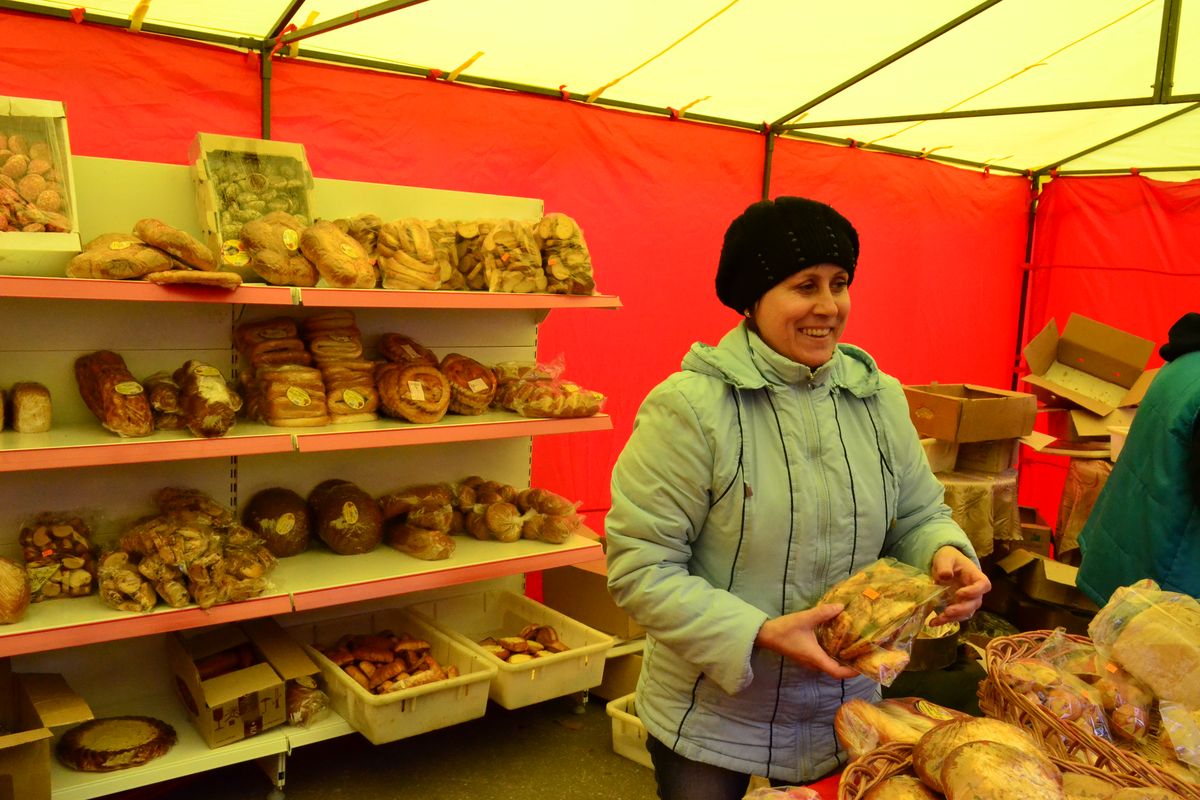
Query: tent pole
(285,19)
(768,161)
(113,21)
(348,19)
(264,56)
(896,56)
(1066,173)
(882,148)
(1026,277)
(1168,39)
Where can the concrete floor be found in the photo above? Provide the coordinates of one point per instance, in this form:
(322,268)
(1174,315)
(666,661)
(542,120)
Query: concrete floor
(546,750)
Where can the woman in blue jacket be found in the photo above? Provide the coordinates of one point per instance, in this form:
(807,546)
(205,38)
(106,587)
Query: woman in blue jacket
(771,467)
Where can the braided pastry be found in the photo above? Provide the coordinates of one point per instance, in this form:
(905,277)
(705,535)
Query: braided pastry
(472,385)
(405,350)
(415,392)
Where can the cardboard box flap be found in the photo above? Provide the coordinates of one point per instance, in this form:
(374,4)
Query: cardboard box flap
(1085,423)
(232,685)
(281,651)
(1076,387)
(1138,391)
(1104,351)
(1041,350)
(24,737)
(53,700)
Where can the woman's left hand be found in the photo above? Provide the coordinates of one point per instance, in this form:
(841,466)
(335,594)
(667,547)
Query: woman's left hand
(952,568)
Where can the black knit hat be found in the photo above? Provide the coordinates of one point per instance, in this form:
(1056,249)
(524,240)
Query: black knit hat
(773,240)
(1184,337)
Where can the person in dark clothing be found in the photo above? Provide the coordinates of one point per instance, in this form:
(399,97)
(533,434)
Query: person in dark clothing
(1146,521)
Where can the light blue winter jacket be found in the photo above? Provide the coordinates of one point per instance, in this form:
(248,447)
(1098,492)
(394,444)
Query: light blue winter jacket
(749,486)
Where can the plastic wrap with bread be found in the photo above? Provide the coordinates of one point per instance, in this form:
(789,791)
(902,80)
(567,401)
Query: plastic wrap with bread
(176,243)
(401,349)
(406,256)
(512,261)
(1127,702)
(364,229)
(884,607)
(340,260)
(112,394)
(273,244)
(281,518)
(472,385)
(414,392)
(118,256)
(345,517)
(59,556)
(861,726)
(470,235)
(206,402)
(565,256)
(1063,695)
(1155,636)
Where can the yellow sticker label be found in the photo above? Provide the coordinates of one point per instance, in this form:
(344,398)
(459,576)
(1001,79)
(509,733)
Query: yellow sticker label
(207,371)
(291,240)
(477,385)
(286,523)
(933,710)
(350,512)
(121,245)
(349,250)
(416,390)
(298,396)
(234,254)
(353,399)
(128,388)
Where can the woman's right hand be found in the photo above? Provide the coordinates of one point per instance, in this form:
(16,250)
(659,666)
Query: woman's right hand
(794,636)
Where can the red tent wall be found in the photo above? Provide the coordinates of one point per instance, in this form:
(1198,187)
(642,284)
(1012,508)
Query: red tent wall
(937,293)
(1122,250)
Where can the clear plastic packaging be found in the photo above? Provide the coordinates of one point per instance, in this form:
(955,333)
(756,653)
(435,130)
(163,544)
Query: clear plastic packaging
(885,606)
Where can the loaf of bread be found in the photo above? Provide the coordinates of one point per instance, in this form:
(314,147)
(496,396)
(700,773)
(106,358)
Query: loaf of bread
(118,256)
(209,407)
(340,260)
(346,518)
(936,744)
(401,349)
(31,407)
(273,243)
(291,396)
(427,545)
(1161,647)
(899,787)
(472,385)
(281,519)
(406,256)
(112,394)
(990,770)
(180,244)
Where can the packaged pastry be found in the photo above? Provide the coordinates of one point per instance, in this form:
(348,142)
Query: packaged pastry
(291,395)
(59,556)
(339,259)
(407,259)
(469,237)
(511,259)
(118,256)
(346,518)
(281,518)
(112,394)
(206,402)
(272,245)
(401,349)
(472,385)
(176,243)
(884,606)
(364,229)
(565,256)
(415,392)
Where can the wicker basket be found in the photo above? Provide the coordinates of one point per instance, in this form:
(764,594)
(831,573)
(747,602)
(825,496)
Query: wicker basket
(1062,740)
(896,759)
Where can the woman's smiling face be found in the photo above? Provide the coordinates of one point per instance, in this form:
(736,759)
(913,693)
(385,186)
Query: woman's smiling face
(803,316)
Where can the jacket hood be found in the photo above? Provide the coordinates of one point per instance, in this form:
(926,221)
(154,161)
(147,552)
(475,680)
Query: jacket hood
(742,360)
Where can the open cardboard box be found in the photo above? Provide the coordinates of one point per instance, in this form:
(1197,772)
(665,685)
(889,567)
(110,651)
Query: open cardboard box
(31,705)
(1043,579)
(963,412)
(1090,365)
(237,704)
(1077,425)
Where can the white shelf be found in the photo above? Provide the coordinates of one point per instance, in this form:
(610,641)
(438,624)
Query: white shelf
(89,445)
(313,579)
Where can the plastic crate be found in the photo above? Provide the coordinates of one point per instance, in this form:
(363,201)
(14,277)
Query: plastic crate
(470,618)
(628,732)
(407,712)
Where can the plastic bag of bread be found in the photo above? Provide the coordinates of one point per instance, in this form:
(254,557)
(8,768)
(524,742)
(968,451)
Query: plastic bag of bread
(861,726)
(1062,694)
(346,518)
(59,556)
(565,256)
(306,703)
(406,256)
(1181,732)
(118,256)
(111,393)
(884,606)
(511,258)
(1155,636)
(783,793)
(272,249)
(363,229)
(1127,702)
(340,259)
(207,403)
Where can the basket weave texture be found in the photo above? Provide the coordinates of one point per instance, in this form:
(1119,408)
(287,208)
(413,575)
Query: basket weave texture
(1063,740)
(864,773)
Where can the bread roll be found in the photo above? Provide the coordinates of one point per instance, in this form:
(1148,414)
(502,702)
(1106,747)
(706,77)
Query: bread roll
(414,392)
(899,787)
(339,259)
(31,407)
(112,395)
(281,518)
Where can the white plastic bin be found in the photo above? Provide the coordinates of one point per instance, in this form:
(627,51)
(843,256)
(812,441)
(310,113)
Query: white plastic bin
(408,712)
(472,617)
(628,732)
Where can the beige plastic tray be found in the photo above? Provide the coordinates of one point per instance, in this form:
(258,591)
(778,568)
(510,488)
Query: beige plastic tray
(472,617)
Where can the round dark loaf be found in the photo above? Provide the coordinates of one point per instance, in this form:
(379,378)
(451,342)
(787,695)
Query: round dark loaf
(281,518)
(346,518)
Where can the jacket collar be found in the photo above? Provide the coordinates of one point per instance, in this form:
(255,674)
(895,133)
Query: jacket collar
(742,359)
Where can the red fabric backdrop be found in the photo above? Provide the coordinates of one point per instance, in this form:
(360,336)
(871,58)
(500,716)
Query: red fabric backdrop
(1122,250)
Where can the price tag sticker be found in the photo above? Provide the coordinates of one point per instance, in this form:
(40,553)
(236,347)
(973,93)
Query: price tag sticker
(120,245)
(291,240)
(416,390)
(350,512)
(1111,667)
(208,372)
(477,385)
(128,388)
(234,254)
(410,352)
(353,399)
(348,250)
(870,593)
(298,396)
(285,524)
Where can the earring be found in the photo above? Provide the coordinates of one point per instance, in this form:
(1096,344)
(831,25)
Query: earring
(747,313)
